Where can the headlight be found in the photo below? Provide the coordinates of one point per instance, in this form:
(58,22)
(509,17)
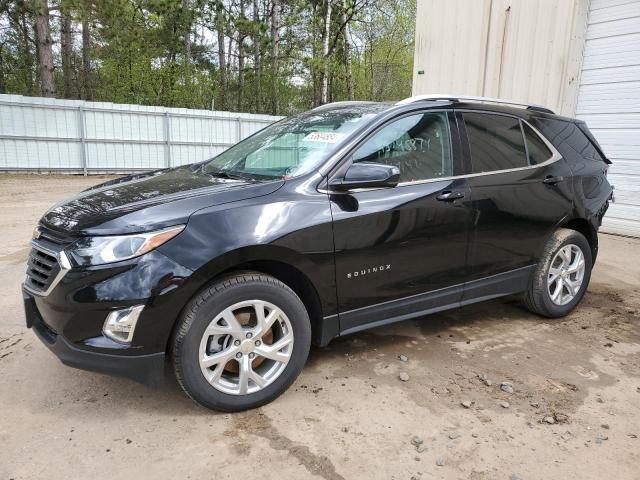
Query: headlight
(101,250)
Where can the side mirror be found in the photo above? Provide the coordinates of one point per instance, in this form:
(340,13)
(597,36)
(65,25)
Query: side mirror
(367,175)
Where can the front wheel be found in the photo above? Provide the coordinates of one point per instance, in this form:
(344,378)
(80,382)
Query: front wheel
(560,279)
(241,342)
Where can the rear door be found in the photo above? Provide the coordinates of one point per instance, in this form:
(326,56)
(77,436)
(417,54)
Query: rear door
(402,250)
(520,191)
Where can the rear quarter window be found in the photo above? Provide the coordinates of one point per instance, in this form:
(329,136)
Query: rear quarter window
(568,138)
(537,150)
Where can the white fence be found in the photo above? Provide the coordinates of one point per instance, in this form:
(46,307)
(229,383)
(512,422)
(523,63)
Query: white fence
(42,134)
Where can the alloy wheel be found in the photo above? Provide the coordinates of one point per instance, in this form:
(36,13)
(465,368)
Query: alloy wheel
(246,347)
(566,274)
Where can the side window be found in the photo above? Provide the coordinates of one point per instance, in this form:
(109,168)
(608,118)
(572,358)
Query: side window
(418,145)
(496,142)
(536,148)
(569,138)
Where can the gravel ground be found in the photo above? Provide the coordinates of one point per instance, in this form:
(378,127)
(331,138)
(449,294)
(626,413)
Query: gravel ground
(488,391)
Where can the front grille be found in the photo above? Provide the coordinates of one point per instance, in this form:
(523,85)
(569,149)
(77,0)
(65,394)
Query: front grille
(42,268)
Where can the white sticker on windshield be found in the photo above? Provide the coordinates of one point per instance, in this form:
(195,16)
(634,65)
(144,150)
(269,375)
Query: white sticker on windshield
(325,137)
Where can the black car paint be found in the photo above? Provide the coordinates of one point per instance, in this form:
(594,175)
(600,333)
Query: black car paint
(514,213)
(415,250)
(149,201)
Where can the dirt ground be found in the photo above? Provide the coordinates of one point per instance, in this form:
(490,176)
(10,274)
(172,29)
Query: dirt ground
(348,416)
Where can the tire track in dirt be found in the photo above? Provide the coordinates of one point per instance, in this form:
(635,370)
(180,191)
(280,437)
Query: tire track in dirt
(257,423)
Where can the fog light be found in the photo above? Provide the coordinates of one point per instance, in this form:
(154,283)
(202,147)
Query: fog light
(120,324)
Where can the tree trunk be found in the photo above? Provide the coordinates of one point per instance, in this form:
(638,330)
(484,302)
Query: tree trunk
(222,59)
(371,86)
(3,85)
(347,52)
(257,61)
(186,14)
(26,51)
(324,84)
(314,52)
(66,48)
(275,54)
(241,58)
(45,52)
(186,72)
(86,52)
(230,65)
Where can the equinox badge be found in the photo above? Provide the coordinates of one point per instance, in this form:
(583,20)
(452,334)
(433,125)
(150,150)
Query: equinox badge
(366,271)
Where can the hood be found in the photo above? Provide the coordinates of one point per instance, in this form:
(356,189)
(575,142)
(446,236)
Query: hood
(149,201)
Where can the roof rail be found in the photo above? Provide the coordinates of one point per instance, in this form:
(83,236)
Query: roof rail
(344,102)
(466,98)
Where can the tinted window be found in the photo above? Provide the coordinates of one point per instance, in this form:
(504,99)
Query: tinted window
(596,153)
(496,142)
(537,149)
(568,138)
(418,145)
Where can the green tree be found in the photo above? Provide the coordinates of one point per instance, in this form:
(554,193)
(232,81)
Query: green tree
(265,56)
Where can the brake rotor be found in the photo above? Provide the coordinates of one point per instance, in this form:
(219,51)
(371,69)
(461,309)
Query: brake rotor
(248,319)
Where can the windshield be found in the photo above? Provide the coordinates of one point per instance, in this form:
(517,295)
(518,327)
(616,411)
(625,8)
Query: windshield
(291,147)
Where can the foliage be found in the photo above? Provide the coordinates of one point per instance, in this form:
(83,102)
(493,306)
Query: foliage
(272,58)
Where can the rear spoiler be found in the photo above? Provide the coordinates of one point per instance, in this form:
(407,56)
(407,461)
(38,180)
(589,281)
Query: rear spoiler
(584,129)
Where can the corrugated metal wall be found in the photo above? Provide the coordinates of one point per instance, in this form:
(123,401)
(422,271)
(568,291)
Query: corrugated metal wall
(44,134)
(609,101)
(523,50)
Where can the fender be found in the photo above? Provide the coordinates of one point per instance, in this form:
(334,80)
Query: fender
(323,285)
(296,231)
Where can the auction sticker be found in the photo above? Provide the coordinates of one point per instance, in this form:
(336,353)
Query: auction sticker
(324,137)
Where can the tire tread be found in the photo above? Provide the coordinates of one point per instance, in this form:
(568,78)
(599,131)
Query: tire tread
(533,297)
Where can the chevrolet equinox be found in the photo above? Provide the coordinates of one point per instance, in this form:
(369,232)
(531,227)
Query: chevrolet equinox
(343,218)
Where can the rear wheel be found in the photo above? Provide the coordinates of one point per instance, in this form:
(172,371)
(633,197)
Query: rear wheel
(562,276)
(241,342)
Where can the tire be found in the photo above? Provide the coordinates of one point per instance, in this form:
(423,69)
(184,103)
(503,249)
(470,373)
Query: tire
(539,297)
(208,341)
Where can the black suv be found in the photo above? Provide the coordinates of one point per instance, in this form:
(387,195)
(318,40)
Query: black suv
(346,217)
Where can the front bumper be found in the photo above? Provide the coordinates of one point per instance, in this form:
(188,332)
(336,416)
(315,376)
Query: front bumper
(69,318)
(147,369)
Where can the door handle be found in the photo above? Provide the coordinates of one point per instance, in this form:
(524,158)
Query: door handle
(550,180)
(450,196)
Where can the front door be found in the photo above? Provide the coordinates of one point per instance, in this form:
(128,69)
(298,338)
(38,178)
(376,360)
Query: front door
(401,251)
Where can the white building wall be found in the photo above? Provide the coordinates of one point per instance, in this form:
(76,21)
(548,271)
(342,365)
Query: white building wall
(524,50)
(580,58)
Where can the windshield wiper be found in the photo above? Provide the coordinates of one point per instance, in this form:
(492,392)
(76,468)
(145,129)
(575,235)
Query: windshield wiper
(225,174)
